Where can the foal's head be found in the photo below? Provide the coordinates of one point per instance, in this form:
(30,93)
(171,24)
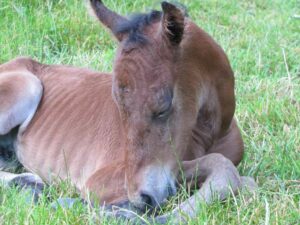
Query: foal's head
(144,78)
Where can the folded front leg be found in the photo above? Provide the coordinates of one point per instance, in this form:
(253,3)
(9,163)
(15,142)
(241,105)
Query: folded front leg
(220,177)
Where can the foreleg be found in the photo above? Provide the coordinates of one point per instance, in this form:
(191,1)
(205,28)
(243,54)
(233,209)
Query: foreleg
(220,177)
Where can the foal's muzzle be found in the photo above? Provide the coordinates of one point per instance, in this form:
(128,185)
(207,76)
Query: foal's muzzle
(151,200)
(157,186)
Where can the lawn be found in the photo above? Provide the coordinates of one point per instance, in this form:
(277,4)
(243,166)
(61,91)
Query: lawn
(262,40)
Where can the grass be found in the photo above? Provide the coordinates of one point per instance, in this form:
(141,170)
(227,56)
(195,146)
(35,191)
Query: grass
(262,40)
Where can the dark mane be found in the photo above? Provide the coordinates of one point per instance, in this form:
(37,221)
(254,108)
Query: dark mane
(137,22)
(135,25)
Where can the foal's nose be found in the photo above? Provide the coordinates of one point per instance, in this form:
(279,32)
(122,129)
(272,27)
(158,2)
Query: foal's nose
(155,198)
(153,189)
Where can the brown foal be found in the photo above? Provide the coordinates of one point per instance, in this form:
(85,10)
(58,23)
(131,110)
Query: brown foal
(164,116)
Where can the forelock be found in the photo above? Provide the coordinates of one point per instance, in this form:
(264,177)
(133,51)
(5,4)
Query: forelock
(136,24)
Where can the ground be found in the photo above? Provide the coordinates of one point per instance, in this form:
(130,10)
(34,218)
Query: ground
(262,40)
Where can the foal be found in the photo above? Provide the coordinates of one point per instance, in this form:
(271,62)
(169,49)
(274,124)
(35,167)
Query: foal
(166,112)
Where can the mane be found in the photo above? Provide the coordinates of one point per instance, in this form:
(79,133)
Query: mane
(136,23)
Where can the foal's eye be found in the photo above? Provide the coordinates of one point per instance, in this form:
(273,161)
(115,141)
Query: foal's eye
(164,107)
(162,115)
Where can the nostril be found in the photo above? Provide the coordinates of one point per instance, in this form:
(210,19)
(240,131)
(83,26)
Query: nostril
(147,199)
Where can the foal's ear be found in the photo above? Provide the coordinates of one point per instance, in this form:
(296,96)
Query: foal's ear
(172,23)
(107,17)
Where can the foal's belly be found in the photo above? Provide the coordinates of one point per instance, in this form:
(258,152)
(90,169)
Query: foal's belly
(74,132)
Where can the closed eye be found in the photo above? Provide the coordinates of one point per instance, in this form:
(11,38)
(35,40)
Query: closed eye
(162,115)
(164,106)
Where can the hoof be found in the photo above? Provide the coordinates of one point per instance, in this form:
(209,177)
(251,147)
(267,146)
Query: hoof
(29,182)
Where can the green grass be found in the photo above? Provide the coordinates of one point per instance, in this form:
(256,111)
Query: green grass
(262,40)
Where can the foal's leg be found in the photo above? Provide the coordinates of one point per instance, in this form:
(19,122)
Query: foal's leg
(221,178)
(20,94)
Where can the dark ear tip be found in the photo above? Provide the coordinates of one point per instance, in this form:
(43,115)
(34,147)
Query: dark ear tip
(167,6)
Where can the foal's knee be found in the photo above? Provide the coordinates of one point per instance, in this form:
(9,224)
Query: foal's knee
(20,95)
(217,161)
